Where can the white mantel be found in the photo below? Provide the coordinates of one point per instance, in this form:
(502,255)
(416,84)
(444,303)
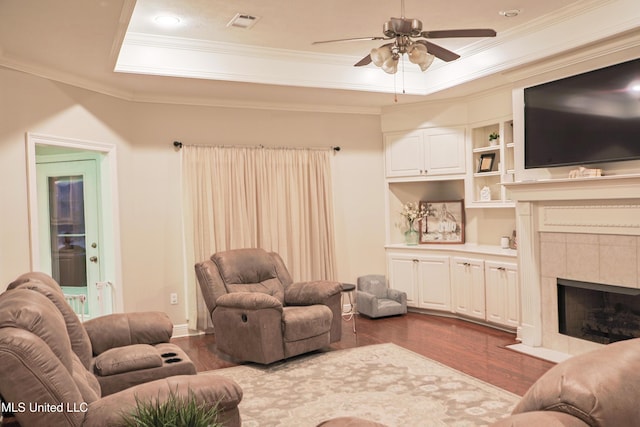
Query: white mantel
(607,205)
(599,188)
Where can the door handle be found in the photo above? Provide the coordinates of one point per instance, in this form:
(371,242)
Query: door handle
(94,259)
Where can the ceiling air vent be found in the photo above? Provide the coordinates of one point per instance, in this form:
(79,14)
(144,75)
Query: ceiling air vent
(242,20)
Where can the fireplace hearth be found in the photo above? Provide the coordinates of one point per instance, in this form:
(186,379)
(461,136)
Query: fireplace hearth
(596,312)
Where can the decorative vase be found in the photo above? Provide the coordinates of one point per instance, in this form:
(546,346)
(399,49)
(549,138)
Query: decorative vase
(411,236)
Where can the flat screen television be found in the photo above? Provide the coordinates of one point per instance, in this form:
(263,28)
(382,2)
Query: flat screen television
(588,118)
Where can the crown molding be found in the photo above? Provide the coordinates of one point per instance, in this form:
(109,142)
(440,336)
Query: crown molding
(90,85)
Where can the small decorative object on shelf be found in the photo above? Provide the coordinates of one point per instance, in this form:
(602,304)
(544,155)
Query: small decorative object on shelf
(486,162)
(513,243)
(412,212)
(493,138)
(583,172)
(485,194)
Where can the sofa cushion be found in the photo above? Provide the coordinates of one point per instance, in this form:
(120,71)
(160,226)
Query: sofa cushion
(373,284)
(245,266)
(125,359)
(33,312)
(123,329)
(80,343)
(249,270)
(302,322)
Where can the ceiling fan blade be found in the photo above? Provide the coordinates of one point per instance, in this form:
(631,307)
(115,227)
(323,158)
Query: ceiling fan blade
(440,52)
(354,39)
(364,61)
(474,32)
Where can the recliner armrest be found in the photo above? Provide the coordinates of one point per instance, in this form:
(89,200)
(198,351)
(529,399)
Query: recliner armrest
(308,293)
(208,389)
(122,329)
(248,301)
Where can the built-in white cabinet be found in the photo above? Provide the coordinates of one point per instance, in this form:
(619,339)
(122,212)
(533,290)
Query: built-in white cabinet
(468,287)
(425,278)
(481,287)
(502,293)
(425,152)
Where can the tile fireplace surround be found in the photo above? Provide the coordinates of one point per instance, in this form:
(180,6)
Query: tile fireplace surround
(578,229)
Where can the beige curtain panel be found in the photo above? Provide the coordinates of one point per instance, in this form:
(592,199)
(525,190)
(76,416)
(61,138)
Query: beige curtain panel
(279,199)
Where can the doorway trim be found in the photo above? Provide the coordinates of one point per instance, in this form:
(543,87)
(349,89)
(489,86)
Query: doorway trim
(108,200)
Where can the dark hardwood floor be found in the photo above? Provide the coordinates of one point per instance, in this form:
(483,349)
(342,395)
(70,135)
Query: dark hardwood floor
(477,350)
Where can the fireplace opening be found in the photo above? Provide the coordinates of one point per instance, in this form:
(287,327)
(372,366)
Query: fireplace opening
(598,313)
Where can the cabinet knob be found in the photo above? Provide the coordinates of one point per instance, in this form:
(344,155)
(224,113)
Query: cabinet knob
(501,268)
(415,261)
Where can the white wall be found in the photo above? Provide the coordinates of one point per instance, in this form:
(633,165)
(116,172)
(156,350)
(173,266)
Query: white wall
(149,181)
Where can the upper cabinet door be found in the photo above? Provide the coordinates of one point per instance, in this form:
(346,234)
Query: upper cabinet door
(425,152)
(404,154)
(444,151)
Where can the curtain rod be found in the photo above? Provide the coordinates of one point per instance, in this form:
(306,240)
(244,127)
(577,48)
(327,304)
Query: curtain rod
(179,145)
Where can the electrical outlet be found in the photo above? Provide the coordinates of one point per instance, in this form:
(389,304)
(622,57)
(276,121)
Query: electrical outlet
(173,298)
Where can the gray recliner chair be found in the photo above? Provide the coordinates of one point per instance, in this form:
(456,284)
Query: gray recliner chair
(375,299)
(259,314)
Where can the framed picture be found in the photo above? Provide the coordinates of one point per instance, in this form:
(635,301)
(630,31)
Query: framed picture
(444,222)
(486,162)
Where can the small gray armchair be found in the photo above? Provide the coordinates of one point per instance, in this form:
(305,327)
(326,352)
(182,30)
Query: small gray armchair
(375,299)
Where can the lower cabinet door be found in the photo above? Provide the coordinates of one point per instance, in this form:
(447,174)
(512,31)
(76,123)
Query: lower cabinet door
(434,282)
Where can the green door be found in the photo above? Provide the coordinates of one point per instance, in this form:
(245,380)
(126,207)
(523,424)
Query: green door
(68,224)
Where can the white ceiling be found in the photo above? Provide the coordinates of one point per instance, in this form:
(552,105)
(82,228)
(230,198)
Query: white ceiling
(203,61)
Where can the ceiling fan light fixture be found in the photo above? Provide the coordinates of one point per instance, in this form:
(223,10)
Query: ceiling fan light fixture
(417,53)
(390,66)
(427,62)
(380,54)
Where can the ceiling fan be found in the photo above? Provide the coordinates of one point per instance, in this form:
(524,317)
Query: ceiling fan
(408,38)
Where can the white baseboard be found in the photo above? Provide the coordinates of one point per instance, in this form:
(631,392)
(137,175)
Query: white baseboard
(184,331)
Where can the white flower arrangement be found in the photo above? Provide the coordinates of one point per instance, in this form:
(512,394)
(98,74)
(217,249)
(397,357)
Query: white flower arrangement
(412,212)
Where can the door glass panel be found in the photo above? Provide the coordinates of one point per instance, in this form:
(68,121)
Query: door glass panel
(67,226)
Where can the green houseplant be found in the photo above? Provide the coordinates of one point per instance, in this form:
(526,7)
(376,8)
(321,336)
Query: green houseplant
(493,138)
(174,411)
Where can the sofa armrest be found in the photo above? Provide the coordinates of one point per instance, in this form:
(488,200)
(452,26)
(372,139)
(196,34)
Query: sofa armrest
(397,295)
(248,301)
(367,303)
(126,359)
(309,293)
(122,329)
(599,387)
(209,389)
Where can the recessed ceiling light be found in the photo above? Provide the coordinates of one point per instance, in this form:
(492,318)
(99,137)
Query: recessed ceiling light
(167,20)
(242,20)
(511,13)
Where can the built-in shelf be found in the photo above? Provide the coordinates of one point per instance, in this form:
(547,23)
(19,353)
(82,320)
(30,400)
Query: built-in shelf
(488,148)
(484,189)
(492,173)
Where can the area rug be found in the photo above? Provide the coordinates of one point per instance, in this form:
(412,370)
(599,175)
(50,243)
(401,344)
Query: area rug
(384,383)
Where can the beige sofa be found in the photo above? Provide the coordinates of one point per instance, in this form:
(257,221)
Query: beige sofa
(259,314)
(49,374)
(598,389)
